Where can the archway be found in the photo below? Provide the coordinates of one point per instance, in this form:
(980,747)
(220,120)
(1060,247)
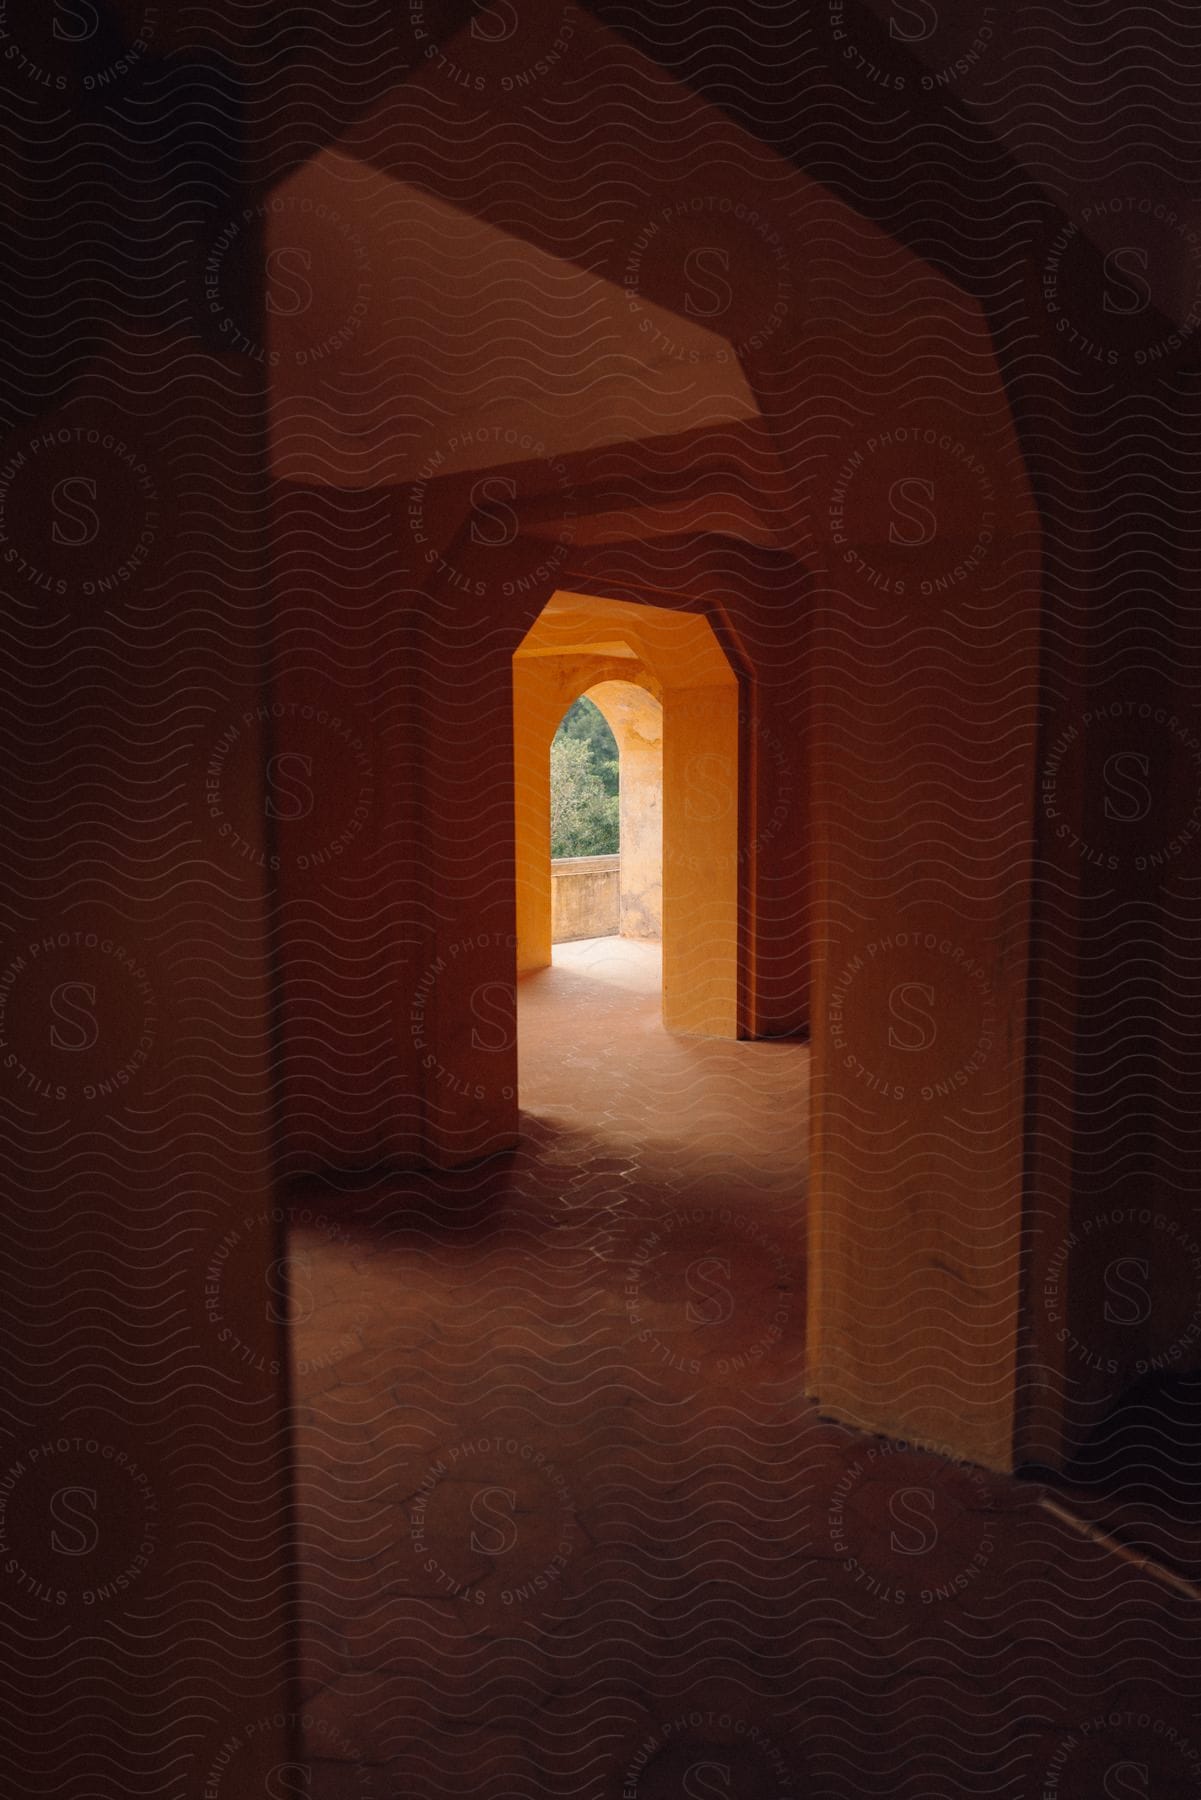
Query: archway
(625,656)
(889,753)
(606,779)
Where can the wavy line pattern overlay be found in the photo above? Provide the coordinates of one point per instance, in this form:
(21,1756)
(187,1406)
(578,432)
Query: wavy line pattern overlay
(424,1380)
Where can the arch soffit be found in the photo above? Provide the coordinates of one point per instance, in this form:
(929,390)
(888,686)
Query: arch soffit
(629,707)
(665,648)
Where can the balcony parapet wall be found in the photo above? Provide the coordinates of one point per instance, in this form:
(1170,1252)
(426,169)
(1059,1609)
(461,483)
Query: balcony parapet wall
(585,897)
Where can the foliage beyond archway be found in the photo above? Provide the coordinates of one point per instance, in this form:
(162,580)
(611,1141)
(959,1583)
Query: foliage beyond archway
(584,785)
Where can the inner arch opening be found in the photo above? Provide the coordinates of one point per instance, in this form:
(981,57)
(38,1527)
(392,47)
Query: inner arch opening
(606,795)
(670,697)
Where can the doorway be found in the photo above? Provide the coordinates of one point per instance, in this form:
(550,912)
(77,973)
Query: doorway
(606,824)
(670,697)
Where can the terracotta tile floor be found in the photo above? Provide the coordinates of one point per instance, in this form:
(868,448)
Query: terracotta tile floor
(569,1526)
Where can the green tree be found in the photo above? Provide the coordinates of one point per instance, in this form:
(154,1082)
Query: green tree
(587,722)
(583,785)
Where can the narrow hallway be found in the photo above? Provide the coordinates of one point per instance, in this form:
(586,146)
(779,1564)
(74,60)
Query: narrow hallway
(570,1526)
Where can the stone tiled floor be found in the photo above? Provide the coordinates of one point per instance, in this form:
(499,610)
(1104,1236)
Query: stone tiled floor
(570,1527)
